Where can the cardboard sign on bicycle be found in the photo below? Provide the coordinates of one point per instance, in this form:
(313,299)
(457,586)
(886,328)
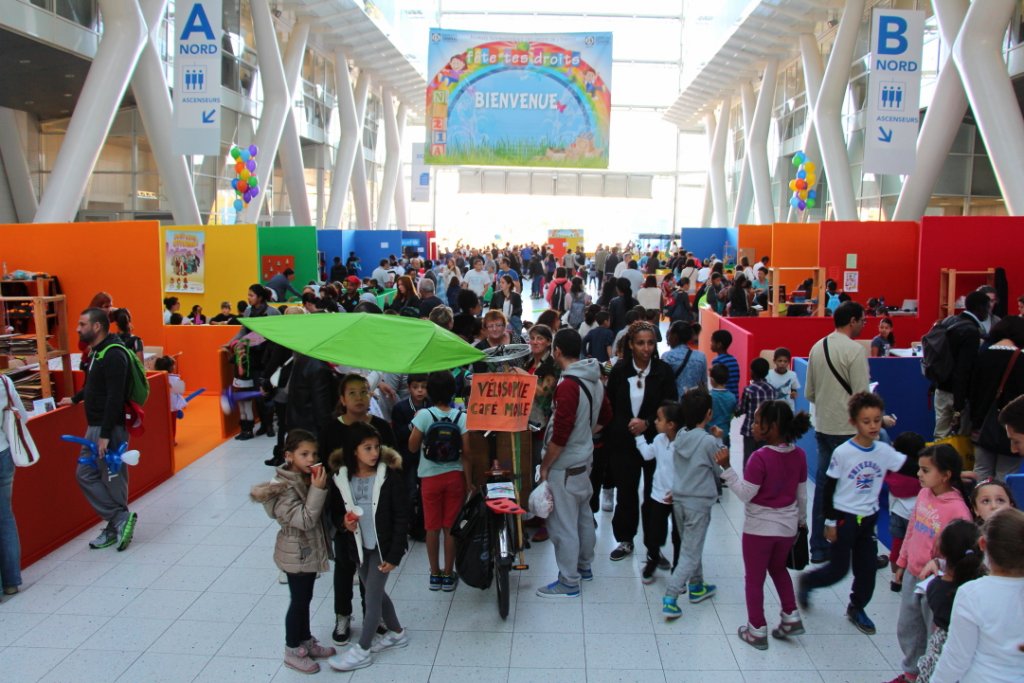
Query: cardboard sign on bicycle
(500,402)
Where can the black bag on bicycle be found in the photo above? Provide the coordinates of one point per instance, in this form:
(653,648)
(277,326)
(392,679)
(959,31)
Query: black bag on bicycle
(472,534)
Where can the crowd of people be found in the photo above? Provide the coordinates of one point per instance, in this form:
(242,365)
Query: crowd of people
(627,425)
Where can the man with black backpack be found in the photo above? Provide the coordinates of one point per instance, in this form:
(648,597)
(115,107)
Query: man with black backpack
(105,394)
(949,351)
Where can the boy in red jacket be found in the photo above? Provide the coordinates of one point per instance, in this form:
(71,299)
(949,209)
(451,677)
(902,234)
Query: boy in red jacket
(903,489)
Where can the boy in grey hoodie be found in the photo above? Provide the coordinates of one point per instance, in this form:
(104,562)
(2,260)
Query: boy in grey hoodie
(694,491)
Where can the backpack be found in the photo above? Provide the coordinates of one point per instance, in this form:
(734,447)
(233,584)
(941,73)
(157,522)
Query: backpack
(558,298)
(137,390)
(937,359)
(472,534)
(576,311)
(442,442)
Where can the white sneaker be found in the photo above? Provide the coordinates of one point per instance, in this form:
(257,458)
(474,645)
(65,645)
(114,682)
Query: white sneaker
(353,658)
(607,499)
(390,640)
(282,578)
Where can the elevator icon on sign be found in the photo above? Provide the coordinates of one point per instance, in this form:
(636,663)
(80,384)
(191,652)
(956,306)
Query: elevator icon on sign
(193,78)
(890,96)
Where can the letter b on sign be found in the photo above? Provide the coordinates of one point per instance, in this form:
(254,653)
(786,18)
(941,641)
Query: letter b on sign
(892,38)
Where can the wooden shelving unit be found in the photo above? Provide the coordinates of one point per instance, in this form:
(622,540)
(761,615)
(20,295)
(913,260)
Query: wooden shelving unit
(819,278)
(43,309)
(947,287)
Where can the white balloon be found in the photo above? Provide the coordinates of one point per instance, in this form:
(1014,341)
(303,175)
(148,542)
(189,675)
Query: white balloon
(130,458)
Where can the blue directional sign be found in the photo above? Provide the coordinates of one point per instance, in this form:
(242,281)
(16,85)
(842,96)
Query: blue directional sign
(197,67)
(894,91)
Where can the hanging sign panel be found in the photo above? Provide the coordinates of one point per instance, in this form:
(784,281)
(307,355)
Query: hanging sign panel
(519,99)
(197,66)
(894,91)
(420,174)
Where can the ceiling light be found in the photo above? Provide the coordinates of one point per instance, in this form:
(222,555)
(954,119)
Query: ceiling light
(67,94)
(30,102)
(24,61)
(69,75)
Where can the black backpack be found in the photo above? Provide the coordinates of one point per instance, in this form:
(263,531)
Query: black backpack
(558,298)
(472,534)
(442,442)
(937,357)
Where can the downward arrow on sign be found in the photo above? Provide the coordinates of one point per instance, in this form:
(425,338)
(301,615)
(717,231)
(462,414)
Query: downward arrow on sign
(208,115)
(886,135)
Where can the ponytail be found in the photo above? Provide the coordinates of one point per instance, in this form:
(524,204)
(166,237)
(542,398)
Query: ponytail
(958,543)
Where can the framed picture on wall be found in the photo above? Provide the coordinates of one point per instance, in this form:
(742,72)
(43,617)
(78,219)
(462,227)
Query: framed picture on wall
(272,265)
(851,281)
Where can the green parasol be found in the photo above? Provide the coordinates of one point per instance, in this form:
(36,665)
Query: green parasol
(388,343)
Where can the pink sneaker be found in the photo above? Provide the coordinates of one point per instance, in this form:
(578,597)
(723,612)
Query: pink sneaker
(298,658)
(318,651)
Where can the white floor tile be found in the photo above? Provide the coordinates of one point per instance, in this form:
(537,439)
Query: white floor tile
(131,634)
(550,650)
(30,664)
(696,653)
(14,625)
(466,674)
(238,670)
(154,667)
(99,601)
(392,673)
(480,648)
(194,637)
(155,603)
(88,666)
(61,631)
(626,651)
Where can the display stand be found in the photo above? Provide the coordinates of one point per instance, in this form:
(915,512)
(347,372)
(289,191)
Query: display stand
(947,287)
(41,316)
(819,276)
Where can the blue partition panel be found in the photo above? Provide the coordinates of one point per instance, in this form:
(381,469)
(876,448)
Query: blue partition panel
(373,245)
(704,242)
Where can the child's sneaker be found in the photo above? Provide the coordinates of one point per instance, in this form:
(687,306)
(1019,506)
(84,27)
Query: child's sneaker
(860,619)
(318,651)
(342,629)
(585,574)
(298,658)
(756,638)
(791,625)
(699,592)
(621,551)
(557,589)
(390,640)
(670,607)
(449,582)
(435,582)
(354,658)
(648,574)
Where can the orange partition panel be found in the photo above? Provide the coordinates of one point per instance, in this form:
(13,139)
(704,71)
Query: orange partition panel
(710,322)
(794,245)
(121,258)
(48,504)
(758,238)
(199,348)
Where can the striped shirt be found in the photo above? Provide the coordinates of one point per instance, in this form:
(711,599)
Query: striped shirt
(729,361)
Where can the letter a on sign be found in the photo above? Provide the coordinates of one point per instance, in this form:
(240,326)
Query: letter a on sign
(197,22)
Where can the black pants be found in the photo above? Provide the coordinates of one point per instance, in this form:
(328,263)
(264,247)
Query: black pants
(749,446)
(296,620)
(600,475)
(281,410)
(627,465)
(656,516)
(344,573)
(855,543)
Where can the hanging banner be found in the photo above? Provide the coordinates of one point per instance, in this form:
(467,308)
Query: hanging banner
(420,174)
(197,66)
(500,402)
(505,99)
(894,91)
(185,262)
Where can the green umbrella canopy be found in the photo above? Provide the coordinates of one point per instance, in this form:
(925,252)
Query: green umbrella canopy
(388,343)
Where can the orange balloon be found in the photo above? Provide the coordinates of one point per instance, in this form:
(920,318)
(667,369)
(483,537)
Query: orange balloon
(239,166)
(243,186)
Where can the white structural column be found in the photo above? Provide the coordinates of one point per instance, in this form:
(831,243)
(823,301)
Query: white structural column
(757,145)
(707,211)
(401,212)
(276,102)
(124,35)
(941,121)
(979,57)
(157,112)
(291,150)
(349,104)
(716,168)
(19,178)
(744,193)
(828,113)
(360,189)
(810,57)
(393,145)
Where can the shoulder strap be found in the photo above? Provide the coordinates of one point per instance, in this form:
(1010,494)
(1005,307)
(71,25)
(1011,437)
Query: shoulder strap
(686,359)
(1006,376)
(839,378)
(590,397)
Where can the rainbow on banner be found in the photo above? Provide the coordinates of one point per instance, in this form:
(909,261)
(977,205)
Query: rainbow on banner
(502,99)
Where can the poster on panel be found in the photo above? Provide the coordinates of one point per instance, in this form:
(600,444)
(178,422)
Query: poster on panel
(420,174)
(197,71)
(519,99)
(185,262)
(894,91)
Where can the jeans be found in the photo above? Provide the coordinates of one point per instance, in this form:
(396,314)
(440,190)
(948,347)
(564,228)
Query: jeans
(10,546)
(296,619)
(826,444)
(855,544)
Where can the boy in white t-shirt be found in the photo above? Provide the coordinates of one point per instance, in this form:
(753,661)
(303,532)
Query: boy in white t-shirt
(852,483)
(782,378)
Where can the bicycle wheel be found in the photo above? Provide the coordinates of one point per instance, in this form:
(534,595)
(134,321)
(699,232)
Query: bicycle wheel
(502,567)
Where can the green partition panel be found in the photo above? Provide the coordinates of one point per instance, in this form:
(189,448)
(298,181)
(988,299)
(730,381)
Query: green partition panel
(298,242)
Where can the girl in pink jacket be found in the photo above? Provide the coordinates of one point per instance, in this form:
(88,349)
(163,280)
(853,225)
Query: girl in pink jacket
(940,502)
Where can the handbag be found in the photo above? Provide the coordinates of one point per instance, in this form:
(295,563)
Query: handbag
(992,436)
(23,448)
(800,554)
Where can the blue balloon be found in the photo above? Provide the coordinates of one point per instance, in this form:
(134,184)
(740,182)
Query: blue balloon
(234,184)
(238,205)
(244,155)
(801,174)
(812,194)
(793,201)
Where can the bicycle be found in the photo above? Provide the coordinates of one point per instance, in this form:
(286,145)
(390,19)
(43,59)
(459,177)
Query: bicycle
(505,530)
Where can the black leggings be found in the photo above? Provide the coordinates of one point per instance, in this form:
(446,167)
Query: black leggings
(656,516)
(296,620)
(600,475)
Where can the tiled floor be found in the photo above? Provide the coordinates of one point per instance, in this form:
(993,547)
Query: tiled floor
(196,598)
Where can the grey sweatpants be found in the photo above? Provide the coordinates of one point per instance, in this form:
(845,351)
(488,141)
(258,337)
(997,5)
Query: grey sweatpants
(914,623)
(692,519)
(571,524)
(378,603)
(107,493)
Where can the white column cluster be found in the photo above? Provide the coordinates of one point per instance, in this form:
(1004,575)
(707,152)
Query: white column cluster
(15,164)
(744,193)
(716,168)
(757,144)
(291,149)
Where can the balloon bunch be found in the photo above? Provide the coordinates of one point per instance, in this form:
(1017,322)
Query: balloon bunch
(115,457)
(804,197)
(245,183)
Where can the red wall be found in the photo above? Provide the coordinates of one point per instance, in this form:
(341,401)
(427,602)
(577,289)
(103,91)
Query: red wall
(886,257)
(969,243)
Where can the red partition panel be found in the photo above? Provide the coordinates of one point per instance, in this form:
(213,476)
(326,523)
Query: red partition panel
(48,504)
(886,255)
